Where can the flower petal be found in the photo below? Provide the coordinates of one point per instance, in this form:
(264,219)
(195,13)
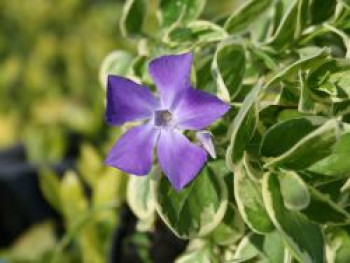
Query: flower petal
(171,74)
(128,101)
(204,138)
(180,159)
(198,109)
(133,153)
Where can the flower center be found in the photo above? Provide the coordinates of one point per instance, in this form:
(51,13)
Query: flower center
(162,118)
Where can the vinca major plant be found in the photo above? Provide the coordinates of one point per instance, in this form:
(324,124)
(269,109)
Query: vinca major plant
(264,88)
(180,107)
(230,129)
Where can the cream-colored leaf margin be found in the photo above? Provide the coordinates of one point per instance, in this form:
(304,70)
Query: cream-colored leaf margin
(205,229)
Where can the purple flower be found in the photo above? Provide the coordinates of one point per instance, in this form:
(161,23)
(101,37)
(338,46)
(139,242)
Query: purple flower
(178,108)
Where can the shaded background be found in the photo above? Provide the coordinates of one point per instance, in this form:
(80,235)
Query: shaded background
(50,103)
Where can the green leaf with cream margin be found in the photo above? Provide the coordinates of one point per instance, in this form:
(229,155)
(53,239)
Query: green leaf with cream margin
(294,190)
(334,164)
(179,11)
(306,104)
(231,228)
(291,25)
(133,16)
(321,10)
(312,58)
(244,126)
(140,196)
(339,243)
(250,203)
(310,149)
(228,68)
(195,32)
(197,209)
(117,62)
(323,210)
(268,248)
(287,133)
(198,251)
(246,15)
(245,250)
(304,238)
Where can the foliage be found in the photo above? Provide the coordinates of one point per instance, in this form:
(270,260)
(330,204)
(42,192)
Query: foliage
(279,189)
(51,101)
(282,194)
(49,61)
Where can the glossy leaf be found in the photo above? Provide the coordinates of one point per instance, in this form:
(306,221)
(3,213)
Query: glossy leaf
(270,247)
(198,251)
(306,102)
(253,167)
(310,149)
(196,32)
(196,210)
(244,126)
(305,239)
(291,25)
(339,242)
(323,210)
(179,11)
(310,60)
(133,16)
(228,69)
(246,251)
(230,229)
(250,204)
(244,16)
(334,164)
(295,192)
(287,133)
(321,10)
(204,78)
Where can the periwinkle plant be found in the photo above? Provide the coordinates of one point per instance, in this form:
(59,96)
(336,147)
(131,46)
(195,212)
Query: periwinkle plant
(278,190)
(179,107)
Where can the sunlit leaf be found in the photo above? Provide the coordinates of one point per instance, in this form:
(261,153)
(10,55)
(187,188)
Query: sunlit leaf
(116,63)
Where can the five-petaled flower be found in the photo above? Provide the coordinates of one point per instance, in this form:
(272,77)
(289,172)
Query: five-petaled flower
(179,107)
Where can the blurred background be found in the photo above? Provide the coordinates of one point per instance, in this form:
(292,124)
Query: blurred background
(52,131)
(51,105)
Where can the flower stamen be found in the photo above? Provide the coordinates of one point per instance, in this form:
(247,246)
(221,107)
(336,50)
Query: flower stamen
(162,118)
